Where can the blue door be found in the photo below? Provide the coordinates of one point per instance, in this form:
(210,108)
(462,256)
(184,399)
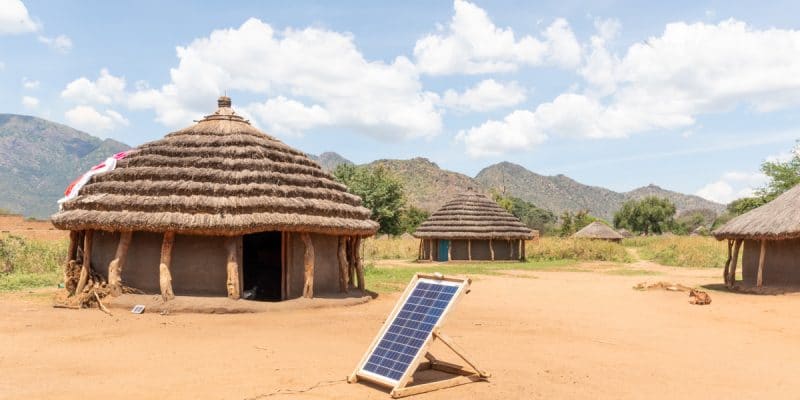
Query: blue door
(444,247)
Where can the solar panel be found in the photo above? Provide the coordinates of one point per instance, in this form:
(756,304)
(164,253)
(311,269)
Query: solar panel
(409,329)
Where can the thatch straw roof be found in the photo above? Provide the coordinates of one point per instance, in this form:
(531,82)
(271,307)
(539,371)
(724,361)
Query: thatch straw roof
(598,230)
(220,176)
(471,215)
(778,219)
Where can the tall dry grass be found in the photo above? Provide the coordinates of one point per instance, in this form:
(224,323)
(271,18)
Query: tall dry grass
(681,251)
(390,249)
(26,263)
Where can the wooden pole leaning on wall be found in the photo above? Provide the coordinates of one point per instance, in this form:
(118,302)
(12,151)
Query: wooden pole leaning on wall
(87,261)
(164,276)
(116,265)
(761,258)
(232,266)
(734,261)
(308,264)
(728,262)
(343,265)
(359,265)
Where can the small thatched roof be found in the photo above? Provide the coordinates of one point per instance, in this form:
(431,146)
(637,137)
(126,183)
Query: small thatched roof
(625,233)
(778,219)
(598,230)
(471,215)
(220,176)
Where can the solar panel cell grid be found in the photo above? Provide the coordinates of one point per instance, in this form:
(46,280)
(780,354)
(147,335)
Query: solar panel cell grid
(409,330)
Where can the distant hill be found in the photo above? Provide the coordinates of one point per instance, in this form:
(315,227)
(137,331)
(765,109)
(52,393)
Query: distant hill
(427,186)
(39,158)
(560,193)
(330,160)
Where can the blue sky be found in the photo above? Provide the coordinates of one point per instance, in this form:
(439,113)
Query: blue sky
(691,96)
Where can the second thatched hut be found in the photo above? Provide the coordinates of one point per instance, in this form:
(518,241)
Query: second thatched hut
(472,227)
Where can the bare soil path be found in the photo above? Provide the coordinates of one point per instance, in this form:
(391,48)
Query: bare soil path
(576,335)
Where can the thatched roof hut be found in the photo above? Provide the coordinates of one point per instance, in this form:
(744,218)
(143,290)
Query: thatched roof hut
(219,190)
(468,227)
(598,230)
(625,233)
(771,237)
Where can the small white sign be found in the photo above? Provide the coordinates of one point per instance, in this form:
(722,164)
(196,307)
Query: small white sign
(138,309)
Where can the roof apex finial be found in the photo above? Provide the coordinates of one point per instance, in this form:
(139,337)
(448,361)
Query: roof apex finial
(224,102)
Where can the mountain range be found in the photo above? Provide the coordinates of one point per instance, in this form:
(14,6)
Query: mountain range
(38,158)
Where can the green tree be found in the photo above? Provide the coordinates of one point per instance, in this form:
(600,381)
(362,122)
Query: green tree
(572,222)
(411,218)
(532,216)
(745,204)
(649,215)
(381,192)
(782,176)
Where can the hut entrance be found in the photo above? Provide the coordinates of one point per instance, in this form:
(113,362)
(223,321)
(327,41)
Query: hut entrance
(444,249)
(261,266)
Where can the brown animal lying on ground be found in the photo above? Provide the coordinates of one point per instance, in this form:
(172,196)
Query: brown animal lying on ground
(699,297)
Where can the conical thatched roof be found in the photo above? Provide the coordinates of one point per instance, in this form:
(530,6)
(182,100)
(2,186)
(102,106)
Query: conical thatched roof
(220,176)
(778,219)
(471,215)
(598,230)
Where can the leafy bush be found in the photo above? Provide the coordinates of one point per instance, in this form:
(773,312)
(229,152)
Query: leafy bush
(26,263)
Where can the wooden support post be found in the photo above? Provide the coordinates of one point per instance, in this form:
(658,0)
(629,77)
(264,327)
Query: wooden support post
(449,250)
(761,256)
(726,272)
(232,266)
(87,261)
(308,263)
(72,253)
(359,266)
(523,250)
(352,260)
(116,265)
(164,276)
(734,261)
(460,352)
(430,249)
(510,250)
(289,264)
(283,266)
(520,244)
(469,249)
(419,257)
(343,264)
(491,248)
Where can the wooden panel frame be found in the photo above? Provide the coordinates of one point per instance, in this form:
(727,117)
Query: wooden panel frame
(399,387)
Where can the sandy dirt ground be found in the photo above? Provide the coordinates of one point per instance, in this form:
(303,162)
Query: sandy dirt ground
(543,335)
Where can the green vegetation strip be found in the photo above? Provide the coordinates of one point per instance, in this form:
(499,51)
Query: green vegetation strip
(26,263)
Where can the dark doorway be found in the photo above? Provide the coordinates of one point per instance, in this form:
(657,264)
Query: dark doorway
(261,266)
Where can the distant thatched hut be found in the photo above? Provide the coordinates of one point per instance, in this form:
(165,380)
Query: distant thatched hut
(771,237)
(216,209)
(600,231)
(472,227)
(625,233)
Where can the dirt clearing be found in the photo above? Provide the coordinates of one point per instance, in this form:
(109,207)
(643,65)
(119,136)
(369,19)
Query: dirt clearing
(576,335)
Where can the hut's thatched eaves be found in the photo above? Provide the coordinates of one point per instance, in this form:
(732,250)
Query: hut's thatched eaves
(598,230)
(471,215)
(778,219)
(222,177)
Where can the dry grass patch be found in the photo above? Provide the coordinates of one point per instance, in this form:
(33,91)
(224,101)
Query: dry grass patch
(681,251)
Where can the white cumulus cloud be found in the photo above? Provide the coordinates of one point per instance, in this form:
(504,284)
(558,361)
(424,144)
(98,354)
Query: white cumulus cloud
(486,95)
(106,89)
(472,44)
(308,73)
(98,123)
(732,185)
(30,102)
(667,81)
(30,83)
(60,43)
(14,18)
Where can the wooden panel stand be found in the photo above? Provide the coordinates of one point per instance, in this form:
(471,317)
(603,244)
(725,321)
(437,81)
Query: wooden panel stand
(232,267)
(424,359)
(87,261)
(308,263)
(761,255)
(342,264)
(116,265)
(164,276)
